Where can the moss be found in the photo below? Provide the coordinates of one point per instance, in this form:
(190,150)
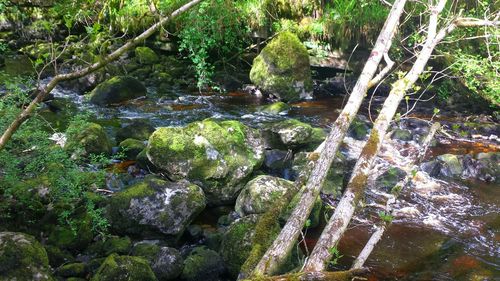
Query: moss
(202,264)
(282,68)
(146,250)
(116,90)
(92,138)
(111,245)
(145,55)
(275,108)
(22,258)
(58,256)
(124,268)
(139,129)
(132,148)
(66,238)
(72,270)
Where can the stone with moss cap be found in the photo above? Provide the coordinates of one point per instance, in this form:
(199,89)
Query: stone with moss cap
(91,139)
(166,262)
(155,205)
(260,194)
(131,148)
(145,55)
(117,90)
(22,258)
(282,68)
(218,156)
(203,264)
(124,268)
(275,108)
(292,133)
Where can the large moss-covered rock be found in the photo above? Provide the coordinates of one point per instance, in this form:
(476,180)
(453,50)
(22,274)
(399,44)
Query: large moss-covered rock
(116,90)
(237,243)
(203,264)
(145,55)
(260,194)
(218,156)
(22,258)
(91,139)
(124,268)
(155,205)
(282,68)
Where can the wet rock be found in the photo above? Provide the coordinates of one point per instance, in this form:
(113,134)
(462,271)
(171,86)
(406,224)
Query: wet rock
(91,139)
(260,194)
(155,205)
(388,180)
(275,108)
(116,90)
(124,268)
(131,148)
(22,258)
(282,68)
(195,231)
(218,156)
(203,264)
(166,262)
(145,55)
(139,129)
(402,134)
(72,270)
(452,166)
(292,133)
(276,159)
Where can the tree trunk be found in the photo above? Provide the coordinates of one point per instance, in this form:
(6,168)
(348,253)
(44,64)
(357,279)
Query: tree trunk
(285,241)
(44,91)
(356,186)
(347,275)
(379,230)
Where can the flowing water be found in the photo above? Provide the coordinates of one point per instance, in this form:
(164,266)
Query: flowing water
(443,229)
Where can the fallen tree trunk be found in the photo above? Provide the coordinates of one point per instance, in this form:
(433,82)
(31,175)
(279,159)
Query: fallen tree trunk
(283,244)
(337,224)
(379,230)
(347,275)
(44,91)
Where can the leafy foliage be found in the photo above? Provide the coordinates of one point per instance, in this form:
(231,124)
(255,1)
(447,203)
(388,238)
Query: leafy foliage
(37,177)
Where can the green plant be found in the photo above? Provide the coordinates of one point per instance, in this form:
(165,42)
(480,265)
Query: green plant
(209,33)
(335,253)
(386,217)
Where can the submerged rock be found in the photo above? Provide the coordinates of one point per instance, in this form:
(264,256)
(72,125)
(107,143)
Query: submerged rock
(116,90)
(260,194)
(124,268)
(22,258)
(218,156)
(203,264)
(91,139)
(282,68)
(155,205)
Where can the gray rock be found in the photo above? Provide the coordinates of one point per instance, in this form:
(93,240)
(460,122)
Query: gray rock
(117,90)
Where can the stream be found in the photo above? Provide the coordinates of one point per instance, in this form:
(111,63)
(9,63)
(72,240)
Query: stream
(444,228)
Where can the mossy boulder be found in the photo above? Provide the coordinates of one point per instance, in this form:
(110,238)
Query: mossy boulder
(124,268)
(117,90)
(22,258)
(260,194)
(64,237)
(132,147)
(203,264)
(292,133)
(145,55)
(138,129)
(155,205)
(282,68)
(91,139)
(110,245)
(218,156)
(275,108)
(166,262)
(237,243)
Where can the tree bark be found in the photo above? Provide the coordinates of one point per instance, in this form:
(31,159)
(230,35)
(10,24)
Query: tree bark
(379,230)
(44,91)
(356,186)
(285,241)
